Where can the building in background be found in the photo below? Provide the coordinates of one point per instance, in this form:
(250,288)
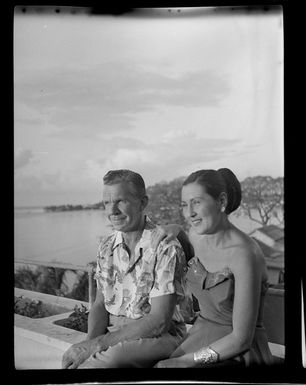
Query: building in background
(271,240)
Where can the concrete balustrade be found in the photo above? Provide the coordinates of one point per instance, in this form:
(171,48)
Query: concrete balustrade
(40,344)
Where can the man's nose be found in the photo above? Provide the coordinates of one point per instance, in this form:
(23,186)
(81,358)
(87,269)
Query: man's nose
(113,208)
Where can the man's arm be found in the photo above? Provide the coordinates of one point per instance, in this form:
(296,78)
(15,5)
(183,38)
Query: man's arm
(98,318)
(152,325)
(163,301)
(149,326)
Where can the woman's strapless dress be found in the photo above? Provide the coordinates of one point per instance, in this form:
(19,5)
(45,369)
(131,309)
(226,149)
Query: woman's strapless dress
(215,295)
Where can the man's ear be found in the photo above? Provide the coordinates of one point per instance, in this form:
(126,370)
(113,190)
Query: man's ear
(144,202)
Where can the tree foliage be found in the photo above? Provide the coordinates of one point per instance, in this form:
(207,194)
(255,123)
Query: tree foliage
(164,202)
(263,199)
(50,280)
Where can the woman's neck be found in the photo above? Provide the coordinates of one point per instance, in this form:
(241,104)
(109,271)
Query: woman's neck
(217,237)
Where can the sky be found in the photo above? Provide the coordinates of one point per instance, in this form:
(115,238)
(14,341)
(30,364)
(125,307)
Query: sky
(160,94)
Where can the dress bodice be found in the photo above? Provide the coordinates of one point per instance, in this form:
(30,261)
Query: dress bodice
(215,292)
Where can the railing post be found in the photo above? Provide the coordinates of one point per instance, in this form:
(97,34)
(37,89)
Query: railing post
(91,287)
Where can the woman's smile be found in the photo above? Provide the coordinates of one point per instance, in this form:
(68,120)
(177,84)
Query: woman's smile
(196,222)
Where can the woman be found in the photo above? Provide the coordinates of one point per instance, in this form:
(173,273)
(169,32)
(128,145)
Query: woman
(227,275)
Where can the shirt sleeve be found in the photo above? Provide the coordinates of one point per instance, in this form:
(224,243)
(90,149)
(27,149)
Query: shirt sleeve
(104,250)
(168,270)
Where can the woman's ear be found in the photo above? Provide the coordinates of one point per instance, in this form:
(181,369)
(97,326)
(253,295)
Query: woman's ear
(223,202)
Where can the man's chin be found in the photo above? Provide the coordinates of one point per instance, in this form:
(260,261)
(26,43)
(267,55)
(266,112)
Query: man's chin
(118,226)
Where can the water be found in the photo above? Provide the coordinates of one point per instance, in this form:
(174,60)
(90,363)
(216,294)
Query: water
(69,236)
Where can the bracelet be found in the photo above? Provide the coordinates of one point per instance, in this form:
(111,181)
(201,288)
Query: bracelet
(205,356)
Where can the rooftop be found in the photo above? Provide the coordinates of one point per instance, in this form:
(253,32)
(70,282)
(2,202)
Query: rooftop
(272,231)
(273,257)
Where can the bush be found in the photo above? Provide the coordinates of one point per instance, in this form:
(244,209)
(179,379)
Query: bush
(49,280)
(76,320)
(32,309)
(80,289)
(44,279)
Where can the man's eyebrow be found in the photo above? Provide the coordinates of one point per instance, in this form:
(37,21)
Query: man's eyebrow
(114,200)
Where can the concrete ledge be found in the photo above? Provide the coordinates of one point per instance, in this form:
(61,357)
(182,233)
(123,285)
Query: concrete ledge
(277,350)
(65,303)
(39,343)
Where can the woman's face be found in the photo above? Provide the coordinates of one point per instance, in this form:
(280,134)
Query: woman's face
(200,209)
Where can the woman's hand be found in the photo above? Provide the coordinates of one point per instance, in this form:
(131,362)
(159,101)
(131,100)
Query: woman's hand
(164,233)
(76,355)
(185,361)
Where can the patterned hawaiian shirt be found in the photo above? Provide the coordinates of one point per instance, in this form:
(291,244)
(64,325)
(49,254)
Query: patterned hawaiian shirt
(128,285)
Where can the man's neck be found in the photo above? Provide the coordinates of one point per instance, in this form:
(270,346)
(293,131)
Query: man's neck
(131,238)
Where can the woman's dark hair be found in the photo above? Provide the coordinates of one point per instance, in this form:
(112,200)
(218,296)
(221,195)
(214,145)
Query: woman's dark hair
(216,182)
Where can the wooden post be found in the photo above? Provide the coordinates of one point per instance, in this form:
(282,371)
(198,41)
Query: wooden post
(91,286)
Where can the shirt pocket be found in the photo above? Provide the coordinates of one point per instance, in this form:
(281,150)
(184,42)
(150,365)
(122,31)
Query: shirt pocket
(145,284)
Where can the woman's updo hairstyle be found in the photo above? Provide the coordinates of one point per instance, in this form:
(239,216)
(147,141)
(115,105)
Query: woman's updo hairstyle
(216,182)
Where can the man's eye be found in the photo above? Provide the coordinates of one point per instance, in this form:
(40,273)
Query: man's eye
(196,202)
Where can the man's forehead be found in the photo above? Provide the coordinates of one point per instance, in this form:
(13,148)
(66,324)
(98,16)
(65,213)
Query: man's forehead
(118,189)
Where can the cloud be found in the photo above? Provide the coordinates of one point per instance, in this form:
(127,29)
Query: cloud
(30,184)
(22,158)
(92,100)
(170,157)
(166,159)
(34,183)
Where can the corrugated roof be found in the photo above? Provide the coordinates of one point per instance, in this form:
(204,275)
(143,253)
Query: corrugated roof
(273,257)
(272,231)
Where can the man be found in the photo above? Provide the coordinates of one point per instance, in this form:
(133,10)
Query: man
(136,319)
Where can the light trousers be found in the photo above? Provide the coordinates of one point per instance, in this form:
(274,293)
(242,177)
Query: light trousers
(140,353)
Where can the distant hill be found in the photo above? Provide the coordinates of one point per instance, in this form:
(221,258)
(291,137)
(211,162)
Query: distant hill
(262,193)
(164,202)
(68,207)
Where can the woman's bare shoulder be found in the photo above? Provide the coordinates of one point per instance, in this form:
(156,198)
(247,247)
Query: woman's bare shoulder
(244,249)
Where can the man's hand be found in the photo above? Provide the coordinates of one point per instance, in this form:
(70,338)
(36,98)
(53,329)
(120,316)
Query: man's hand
(76,354)
(164,233)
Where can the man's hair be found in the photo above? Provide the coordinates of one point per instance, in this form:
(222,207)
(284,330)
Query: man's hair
(134,179)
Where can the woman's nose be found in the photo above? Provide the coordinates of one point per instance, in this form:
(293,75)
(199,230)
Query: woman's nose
(189,212)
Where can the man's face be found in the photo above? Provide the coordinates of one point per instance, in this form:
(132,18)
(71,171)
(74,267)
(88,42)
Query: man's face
(123,208)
